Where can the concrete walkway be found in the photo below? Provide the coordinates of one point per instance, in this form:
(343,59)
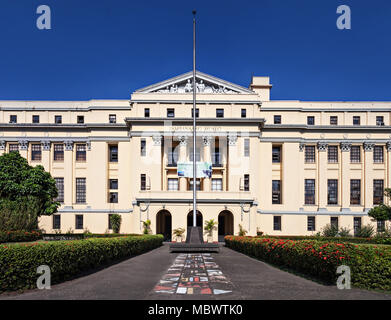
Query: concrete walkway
(136,278)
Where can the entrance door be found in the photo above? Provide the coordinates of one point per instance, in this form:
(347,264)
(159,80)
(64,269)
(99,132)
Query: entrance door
(163,224)
(190,219)
(225,224)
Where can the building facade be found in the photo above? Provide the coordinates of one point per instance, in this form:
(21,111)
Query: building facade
(279,167)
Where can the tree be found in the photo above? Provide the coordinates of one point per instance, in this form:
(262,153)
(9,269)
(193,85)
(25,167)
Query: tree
(25,191)
(116,220)
(381,212)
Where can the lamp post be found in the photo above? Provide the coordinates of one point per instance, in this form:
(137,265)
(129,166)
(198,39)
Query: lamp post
(194,125)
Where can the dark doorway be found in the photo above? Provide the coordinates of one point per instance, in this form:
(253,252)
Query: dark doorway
(190,219)
(226,224)
(163,224)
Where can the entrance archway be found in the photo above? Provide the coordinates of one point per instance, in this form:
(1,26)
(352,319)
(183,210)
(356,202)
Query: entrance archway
(190,219)
(225,224)
(163,224)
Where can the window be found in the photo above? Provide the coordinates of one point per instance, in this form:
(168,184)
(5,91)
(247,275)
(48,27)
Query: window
(378,191)
(80,190)
(333,120)
(197,112)
(113,197)
(356,120)
(217,184)
(356,224)
(276,154)
(13,118)
(243,113)
(332,154)
(277,223)
(143,147)
(197,155)
(36,154)
(35,119)
(60,189)
(332,191)
(113,153)
(334,222)
(58,119)
(13,147)
(355,154)
(172,184)
(170,113)
(246,182)
(143,182)
(198,183)
(58,152)
(378,154)
(355,191)
(112,118)
(276,191)
(379,120)
(216,157)
(56,221)
(277,119)
(147,112)
(81,152)
(173,156)
(311,223)
(309,191)
(79,221)
(246,147)
(113,184)
(381,226)
(80,119)
(309,154)
(219,113)
(310,120)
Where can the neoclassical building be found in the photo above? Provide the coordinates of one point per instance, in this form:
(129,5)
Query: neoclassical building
(279,167)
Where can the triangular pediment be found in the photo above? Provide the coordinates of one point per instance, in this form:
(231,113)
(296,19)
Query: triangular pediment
(204,83)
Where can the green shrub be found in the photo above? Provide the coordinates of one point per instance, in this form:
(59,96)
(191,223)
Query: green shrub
(370,266)
(115,220)
(344,232)
(377,240)
(19,262)
(366,231)
(19,236)
(329,231)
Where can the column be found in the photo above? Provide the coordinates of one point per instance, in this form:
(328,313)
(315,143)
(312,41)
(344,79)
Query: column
(157,163)
(207,158)
(23,148)
(234,169)
(345,177)
(368,176)
(322,175)
(46,155)
(181,158)
(68,174)
(2,147)
(387,183)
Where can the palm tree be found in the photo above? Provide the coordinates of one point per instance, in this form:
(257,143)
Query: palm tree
(210,225)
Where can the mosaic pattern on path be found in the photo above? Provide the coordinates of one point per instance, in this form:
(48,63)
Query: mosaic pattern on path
(194,274)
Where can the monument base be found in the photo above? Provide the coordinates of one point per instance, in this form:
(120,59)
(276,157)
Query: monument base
(194,243)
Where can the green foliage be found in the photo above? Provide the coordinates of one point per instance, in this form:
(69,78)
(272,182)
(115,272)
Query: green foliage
(329,231)
(366,231)
(19,263)
(380,212)
(210,226)
(116,220)
(375,240)
(242,232)
(19,236)
(344,232)
(147,226)
(370,266)
(178,232)
(18,215)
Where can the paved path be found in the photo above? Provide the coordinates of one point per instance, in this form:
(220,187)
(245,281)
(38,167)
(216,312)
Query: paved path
(243,278)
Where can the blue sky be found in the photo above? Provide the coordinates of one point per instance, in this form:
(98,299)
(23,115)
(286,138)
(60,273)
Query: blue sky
(108,48)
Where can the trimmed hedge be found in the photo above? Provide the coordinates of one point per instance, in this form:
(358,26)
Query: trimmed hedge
(19,236)
(19,262)
(370,265)
(335,239)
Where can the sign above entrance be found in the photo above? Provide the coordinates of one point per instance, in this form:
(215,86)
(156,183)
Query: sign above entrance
(185,169)
(190,128)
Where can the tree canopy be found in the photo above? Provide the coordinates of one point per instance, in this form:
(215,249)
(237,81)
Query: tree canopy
(20,182)
(382,212)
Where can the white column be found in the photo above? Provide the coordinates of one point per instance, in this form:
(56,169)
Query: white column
(2,147)
(322,175)
(182,157)
(68,173)
(23,148)
(345,177)
(368,177)
(207,158)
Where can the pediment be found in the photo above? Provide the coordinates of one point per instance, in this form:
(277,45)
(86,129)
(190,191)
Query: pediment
(204,84)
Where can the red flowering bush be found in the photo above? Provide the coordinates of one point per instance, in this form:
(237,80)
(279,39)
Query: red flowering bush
(19,262)
(19,236)
(370,266)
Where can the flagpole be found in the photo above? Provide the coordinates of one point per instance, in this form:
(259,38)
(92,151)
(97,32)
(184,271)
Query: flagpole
(194,125)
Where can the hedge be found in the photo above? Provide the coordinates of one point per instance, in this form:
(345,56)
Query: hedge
(370,265)
(19,236)
(375,240)
(19,262)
